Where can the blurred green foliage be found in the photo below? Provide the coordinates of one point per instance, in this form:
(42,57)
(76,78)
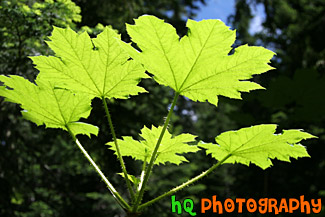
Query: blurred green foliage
(42,173)
(119,12)
(295,91)
(24,26)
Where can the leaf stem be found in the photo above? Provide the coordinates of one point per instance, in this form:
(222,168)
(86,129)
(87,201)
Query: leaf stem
(154,156)
(142,174)
(116,195)
(189,182)
(119,156)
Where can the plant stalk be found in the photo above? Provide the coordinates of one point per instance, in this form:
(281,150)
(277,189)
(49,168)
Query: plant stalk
(154,156)
(189,182)
(116,195)
(142,174)
(119,156)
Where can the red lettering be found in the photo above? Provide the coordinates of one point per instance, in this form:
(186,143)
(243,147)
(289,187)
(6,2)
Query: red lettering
(240,202)
(262,205)
(205,207)
(291,207)
(251,205)
(215,204)
(229,205)
(317,207)
(272,204)
(283,205)
(304,204)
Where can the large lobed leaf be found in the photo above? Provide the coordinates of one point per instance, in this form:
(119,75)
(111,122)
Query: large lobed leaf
(45,104)
(98,67)
(168,151)
(198,65)
(258,145)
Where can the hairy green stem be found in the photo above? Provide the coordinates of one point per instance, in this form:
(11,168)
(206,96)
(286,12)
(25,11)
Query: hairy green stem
(189,182)
(142,174)
(154,156)
(119,156)
(116,195)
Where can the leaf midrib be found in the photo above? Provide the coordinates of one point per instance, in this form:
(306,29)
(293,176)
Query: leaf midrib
(218,73)
(120,81)
(83,66)
(164,52)
(197,56)
(69,75)
(54,119)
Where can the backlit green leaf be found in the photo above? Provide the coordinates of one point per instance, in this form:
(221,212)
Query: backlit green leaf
(168,151)
(132,178)
(45,104)
(98,67)
(198,65)
(258,145)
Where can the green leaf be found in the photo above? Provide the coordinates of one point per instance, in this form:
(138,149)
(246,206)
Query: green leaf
(132,178)
(45,104)
(198,65)
(98,67)
(258,145)
(168,151)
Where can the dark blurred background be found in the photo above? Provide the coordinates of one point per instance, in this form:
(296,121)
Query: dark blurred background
(42,173)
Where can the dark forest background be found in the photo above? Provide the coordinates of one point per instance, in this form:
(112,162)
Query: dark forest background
(42,173)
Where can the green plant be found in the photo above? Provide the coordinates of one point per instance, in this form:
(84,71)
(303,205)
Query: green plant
(24,24)
(197,66)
